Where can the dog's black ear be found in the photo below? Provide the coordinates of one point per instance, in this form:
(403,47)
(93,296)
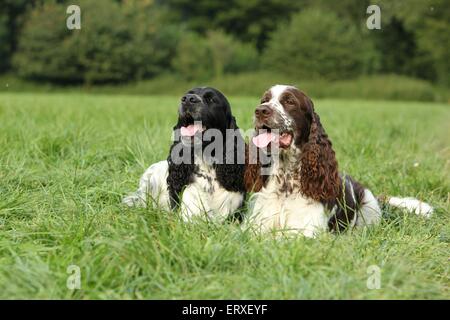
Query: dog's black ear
(230,174)
(232,123)
(179,176)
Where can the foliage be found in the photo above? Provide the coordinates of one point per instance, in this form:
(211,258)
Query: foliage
(247,20)
(11,18)
(375,87)
(434,39)
(351,10)
(415,38)
(385,87)
(46,49)
(202,58)
(125,40)
(316,44)
(116,43)
(193,60)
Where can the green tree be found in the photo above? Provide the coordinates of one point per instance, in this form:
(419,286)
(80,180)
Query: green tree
(250,21)
(415,38)
(45,48)
(431,26)
(230,55)
(193,60)
(11,18)
(353,11)
(203,57)
(316,44)
(118,41)
(434,38)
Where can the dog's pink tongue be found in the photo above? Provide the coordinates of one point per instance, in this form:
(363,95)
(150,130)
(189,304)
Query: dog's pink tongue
(262,140)
(190,130)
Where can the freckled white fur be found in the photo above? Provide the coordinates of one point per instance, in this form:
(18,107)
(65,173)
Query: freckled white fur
(152,189)
(203,197)
(276,92)
(271,210)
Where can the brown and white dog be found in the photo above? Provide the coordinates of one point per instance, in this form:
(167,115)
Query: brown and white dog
(304,191)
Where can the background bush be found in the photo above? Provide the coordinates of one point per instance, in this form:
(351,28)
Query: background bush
(376,87)
(193,60)
(45,48)
(12,14)
(248,21)
(316,44)
(211,56)
(116,43)
(199,41)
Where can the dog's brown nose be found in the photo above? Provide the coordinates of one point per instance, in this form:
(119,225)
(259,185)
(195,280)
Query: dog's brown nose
(263,111)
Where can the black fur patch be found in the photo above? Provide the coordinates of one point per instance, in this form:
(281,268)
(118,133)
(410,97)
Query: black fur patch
(346,205)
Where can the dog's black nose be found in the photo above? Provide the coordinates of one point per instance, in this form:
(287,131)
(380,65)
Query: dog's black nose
(190,99)
(263,111)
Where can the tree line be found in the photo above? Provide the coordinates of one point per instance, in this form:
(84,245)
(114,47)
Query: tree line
(123,40)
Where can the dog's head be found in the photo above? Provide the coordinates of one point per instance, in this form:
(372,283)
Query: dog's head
(286,117)
(205,119)
(202,109)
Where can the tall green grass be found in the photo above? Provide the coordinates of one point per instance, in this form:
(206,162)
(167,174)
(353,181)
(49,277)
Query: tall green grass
(67,160)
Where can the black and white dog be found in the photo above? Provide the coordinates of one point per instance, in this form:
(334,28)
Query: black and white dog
(202,175)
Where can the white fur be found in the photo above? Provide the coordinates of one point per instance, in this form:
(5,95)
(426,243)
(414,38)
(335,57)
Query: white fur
(412,205)
(291,213)
(370,212)
(295,213)
(204,197)
(152,189)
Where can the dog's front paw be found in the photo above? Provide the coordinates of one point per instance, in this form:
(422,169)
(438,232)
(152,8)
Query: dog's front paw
(134,201)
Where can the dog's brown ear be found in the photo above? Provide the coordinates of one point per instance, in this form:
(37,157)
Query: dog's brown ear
(253,180)
(319,169)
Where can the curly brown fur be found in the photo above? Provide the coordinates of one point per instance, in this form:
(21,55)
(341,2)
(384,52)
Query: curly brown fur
(319,174)
(253,180)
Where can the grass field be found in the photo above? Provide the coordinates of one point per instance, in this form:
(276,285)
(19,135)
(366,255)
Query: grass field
(67,159)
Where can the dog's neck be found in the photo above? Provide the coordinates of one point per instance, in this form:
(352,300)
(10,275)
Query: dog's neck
(284,172)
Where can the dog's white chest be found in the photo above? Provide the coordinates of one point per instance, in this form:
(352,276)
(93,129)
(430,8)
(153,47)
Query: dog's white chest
(294,212)
(205,196)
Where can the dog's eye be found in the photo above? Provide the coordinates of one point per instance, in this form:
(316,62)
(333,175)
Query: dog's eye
(290,102)
(264,99)
(209,99)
